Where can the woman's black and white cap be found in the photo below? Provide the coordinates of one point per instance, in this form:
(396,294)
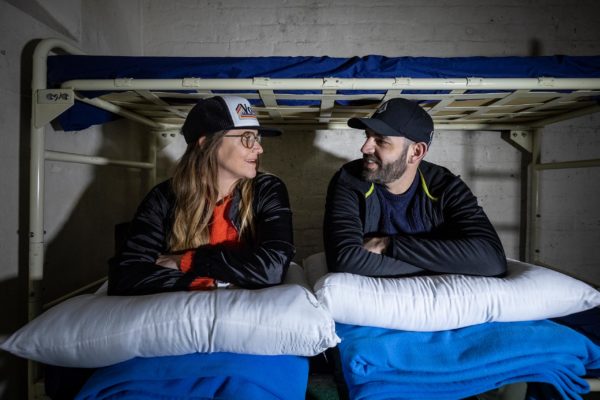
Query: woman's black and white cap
(221,113)
(398,117)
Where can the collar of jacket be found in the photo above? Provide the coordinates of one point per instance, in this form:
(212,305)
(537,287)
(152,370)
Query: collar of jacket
(234,209)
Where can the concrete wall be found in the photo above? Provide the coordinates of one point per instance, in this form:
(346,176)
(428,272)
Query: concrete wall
(84,202)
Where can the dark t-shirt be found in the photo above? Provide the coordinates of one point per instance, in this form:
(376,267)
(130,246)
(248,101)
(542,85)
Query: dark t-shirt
(400,213)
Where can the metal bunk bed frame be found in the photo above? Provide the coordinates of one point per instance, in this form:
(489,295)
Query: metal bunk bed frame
(516,107)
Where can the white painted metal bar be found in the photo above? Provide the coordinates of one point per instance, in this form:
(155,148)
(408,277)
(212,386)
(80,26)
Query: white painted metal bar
(392,93)
(74,293)
(152,97)
(270,101)
(568,164)
(444,102)
(94,160)
(345,96)
(306,124)
(341,84)
(105,105)
(567,115)
(327,105)
(153,155)
(36,195)
(534,205)
(36,178)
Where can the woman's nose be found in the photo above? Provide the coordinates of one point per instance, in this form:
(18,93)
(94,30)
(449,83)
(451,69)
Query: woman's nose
(257,147)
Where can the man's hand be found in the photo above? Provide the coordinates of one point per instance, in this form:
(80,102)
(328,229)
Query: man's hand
(169,260)
(376,245)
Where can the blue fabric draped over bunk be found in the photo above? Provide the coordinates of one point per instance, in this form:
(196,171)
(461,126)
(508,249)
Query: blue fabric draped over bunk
(64,68)
(383,363)
(223,376)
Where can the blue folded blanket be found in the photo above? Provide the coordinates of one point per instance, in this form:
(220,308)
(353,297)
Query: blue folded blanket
(384,364)
(201,376)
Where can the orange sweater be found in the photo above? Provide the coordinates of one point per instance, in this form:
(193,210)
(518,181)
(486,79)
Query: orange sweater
(223,232)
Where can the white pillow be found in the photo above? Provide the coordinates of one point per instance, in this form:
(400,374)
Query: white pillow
(442,302)
(96,330)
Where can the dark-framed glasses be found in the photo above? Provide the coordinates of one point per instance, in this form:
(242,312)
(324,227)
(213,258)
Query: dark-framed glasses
(248,138)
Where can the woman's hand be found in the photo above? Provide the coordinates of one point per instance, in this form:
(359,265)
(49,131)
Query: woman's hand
(169,260)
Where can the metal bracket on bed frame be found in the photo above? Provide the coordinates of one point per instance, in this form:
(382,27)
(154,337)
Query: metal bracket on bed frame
(50,103)
(164,137)
(523,140)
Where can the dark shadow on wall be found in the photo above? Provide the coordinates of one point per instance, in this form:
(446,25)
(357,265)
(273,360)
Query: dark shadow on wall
(13,370)
(306,171)
(13,291)
(77,254)
(485,181)
(535,48)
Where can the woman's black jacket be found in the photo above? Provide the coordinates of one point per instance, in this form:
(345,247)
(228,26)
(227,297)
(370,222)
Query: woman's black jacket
(261,263)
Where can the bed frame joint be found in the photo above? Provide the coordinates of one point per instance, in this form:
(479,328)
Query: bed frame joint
(523,140)
(191,82)
(124,82)
(332,82)
(50,103)
(401,82)
(165,137)
(261,81)
(474,81)
(544,81)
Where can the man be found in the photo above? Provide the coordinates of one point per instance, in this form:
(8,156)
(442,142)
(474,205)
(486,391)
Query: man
(394,214)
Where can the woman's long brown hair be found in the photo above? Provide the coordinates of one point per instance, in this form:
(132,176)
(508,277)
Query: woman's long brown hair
(196,193)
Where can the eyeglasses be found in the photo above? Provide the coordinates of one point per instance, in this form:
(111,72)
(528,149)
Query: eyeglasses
(248,139)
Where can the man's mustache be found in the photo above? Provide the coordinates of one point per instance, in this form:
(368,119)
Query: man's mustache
(371,158)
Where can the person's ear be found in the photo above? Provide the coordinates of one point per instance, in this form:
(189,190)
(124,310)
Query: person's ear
(201,141)
(418,151)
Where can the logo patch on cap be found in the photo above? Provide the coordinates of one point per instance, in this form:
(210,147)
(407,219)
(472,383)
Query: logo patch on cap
(245,111)
(241,112)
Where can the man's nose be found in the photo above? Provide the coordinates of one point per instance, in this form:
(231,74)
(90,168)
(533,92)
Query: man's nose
(368,147)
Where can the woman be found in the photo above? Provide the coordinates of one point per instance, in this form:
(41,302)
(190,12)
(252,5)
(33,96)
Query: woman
(218,220)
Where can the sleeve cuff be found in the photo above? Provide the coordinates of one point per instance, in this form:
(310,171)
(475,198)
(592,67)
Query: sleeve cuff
(185,265)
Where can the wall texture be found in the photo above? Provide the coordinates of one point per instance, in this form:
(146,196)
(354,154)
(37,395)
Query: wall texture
(84,202)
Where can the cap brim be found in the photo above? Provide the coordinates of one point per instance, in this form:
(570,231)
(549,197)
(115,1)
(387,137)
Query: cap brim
(264,131)
(269,131)
(376,125)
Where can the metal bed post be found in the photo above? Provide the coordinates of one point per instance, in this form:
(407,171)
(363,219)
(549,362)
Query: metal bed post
(46,104)
(534,203)
(39,118)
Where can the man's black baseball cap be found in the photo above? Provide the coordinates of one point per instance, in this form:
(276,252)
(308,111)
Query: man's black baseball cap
(221,113)
(398,117)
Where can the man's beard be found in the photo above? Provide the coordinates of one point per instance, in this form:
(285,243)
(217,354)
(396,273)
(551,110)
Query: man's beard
(386,173)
